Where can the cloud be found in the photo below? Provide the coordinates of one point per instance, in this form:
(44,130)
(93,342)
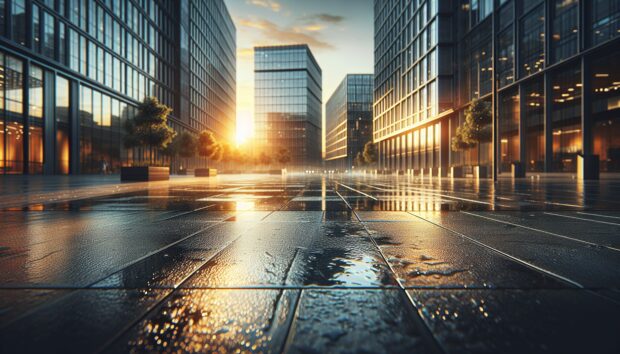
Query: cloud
(272,33)
(327,18)
(270,4)
(245,53)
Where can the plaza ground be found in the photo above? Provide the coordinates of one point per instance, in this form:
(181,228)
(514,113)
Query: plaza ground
(309,264)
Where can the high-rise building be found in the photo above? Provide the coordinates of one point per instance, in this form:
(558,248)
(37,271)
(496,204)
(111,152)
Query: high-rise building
(348,120)
(551,86)
(288,111)
(73,71)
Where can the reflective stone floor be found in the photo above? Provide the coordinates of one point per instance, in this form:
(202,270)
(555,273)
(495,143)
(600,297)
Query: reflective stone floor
(309,264)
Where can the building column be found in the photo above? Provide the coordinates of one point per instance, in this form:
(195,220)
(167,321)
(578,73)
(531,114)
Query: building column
(49,123)
(586,101)
(444,147)
(74,131)
(548,127)
(26,115)
(522,126)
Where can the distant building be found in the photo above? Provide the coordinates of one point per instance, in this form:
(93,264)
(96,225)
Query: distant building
(553,85)
(288,112)
(73,71)
(348,117)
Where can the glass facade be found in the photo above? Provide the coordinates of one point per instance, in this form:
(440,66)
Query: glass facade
(92,61)
(288,109)
(553,86)
(413,79)
(348,117)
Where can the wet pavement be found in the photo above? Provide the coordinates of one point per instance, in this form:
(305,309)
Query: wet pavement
(309,264)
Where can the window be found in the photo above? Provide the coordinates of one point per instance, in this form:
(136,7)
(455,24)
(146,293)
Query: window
(509,117)
(19,21)
(532,41)
(506,57)
(565,22)
(14,121)
(35,111)
(49,30)
(36,29)
(606,110)
(534,116)
(63,125)
(566,118)
(605,18)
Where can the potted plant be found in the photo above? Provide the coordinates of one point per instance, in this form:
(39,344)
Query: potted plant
(183,145)
(148,129)
(209,148)
(370,154)
(475,130)
(283,156)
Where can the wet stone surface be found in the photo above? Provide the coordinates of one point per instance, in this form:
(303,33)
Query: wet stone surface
(309,264)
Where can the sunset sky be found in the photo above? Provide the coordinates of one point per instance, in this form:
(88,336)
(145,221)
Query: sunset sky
(339,33)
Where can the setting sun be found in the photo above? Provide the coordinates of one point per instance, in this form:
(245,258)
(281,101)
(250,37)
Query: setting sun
(245,127)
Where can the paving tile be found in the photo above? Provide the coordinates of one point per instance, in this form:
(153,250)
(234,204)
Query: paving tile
(82,322)
(222,321)
(263,256)
(520,321)
(587,265)
(342,255)
(424,255)
(344,321)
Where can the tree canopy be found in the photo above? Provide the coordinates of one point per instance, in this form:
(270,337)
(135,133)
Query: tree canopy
(477,126)
(149,128)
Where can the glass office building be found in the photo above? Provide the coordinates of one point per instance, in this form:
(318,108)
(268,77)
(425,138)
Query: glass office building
(73,71)
(288,111)
(545,68)
(348,118)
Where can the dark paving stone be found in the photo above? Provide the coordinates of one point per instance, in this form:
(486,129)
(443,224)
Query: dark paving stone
(15,303)
(425,255)
(589,266)
(169,267)
(82,322)
(520,321)
(343,255)
(385,216)
(76,254)
(216,321)
(263,256)
(590,231)
(345,321)
(294,216)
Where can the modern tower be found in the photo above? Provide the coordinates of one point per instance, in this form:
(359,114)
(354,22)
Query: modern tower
(544,68)
(73,71)
(288,109)
(348,117)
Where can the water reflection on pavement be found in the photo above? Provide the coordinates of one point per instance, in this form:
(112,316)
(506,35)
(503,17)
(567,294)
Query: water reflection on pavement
(310,263)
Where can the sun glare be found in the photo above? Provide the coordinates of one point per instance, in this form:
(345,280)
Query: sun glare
(245,127)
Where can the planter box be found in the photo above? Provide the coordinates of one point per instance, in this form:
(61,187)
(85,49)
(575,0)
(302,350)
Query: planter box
(456,172)
(588,167)
(144,174)
(205,172)
(518,170)
(481,172)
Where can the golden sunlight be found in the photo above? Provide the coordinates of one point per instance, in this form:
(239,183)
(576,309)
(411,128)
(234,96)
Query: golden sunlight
(245,127)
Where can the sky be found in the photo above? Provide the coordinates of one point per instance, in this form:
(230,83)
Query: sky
(339,33)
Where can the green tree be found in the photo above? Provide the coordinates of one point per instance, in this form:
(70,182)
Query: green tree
(208,147)
(264,159)
(283,156)
(476,129)
(359,160)
(370,153)
(184,145)
(149,128)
